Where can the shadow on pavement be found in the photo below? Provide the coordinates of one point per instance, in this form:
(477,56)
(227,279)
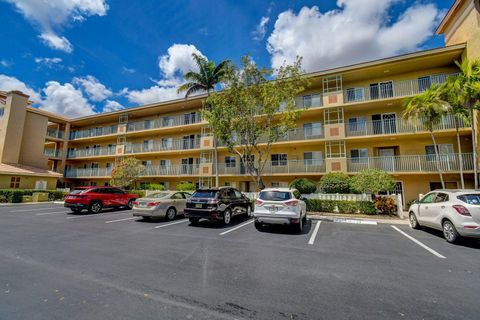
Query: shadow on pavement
(286,229)
(463,242)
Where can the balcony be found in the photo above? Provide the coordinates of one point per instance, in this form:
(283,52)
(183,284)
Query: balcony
(392,89)
(398,126)
(93,132)
(88,172)
(55,133)
(52,153)
(413,163)
(166,145)
(276,167)
(91,152)
(164,122)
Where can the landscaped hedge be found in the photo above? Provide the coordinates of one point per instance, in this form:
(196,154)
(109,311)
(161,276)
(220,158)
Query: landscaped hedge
(15,195)
(140,193)
(363,207)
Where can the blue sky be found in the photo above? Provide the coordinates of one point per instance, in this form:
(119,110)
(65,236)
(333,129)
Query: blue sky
(95,55)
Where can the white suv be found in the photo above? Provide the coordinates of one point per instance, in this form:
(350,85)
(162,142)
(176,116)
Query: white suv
(280,206)
(455,212)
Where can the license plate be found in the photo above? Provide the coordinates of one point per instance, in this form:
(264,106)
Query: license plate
(198,205)
(142,204)
(273,209)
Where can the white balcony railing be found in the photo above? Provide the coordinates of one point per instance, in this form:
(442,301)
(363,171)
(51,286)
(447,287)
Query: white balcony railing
(93,132)
(91,152)
(164,122)
(413,163)
(166,145)
(88,172)
(52,153)
(55,133)
(396,126)
(276,167)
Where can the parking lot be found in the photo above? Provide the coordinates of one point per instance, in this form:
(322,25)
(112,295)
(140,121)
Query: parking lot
(57,265)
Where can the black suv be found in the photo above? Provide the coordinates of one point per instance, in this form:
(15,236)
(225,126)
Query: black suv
(217,204)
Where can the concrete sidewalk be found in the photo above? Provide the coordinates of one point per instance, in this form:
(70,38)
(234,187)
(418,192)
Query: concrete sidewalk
(357,217)
(29,203)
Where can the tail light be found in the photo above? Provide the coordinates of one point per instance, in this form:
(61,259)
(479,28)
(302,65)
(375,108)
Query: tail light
(462,210)
(292,203)
(258,203)
(153,204)
(135,203)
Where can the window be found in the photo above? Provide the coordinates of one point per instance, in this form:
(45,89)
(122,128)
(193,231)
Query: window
(148,124)
(279,159)
(424,83)
(238,194)
(147,163)
(275,195)
(358,124)
(275,184)
(148,145)
(428,198)
(2,112)
(355,94)
(167,143)
(441,197)
(313,129)
(470,198)
(177,195)
(312,158)
(359,155)
(15,182)
(165,163)
(381,90)
(167,121)
(443,151)
(312,100)
(230,162)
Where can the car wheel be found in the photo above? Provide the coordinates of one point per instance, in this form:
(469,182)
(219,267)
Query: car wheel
(76,210)
(299,226)
(304,219)
(413,221)
(449,232)
(95,207)
(171,213)
(227,217)
(130,204)
(258,225)
(194,220)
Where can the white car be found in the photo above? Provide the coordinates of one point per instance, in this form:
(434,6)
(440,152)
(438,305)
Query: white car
(455,212)
(163,204)
(280,206)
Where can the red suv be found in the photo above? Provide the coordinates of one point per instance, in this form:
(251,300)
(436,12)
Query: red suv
(94,199)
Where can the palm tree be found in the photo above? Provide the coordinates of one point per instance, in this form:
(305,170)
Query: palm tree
(466,90)
(430,108)
(205,80)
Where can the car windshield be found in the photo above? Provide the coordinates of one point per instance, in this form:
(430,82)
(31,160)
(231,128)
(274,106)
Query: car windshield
(470,198)
(275,195)
(158,195)
(205,194)
(77,191)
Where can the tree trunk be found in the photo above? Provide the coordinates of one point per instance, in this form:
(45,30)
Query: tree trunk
(474,142)
(437,159)
(215,157)
(460,156)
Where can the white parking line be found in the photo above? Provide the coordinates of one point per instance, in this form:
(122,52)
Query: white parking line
(237,227)
(111,221)
(47,213)
(170,224)
(314,234)
(355,221)
(420,244)
(31,209)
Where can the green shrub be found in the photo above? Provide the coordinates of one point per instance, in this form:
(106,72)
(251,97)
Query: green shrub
(363,207)
(304,185)
(335,182)
(372,181)
(139,193)
(385,205)
(15,195)
(185,186)
(154,187)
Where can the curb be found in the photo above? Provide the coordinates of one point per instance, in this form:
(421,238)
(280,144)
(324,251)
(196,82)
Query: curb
(357,219)
(25,203)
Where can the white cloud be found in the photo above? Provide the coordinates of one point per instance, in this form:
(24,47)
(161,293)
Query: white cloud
(8,83)
(128,70)
(65,100)
(95,90)
(111,105)
(173,66)
(56,42)
(359,30)
(261,29)
(50,16)
(48,62)
(5,63)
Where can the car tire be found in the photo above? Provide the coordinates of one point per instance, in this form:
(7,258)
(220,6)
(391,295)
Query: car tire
(227,217)
(130,204)
(194,221)
(412,221)
(299,226)
(450,233)
(76,210)
(258,225)
(304,219)
(170,214)
(95,207)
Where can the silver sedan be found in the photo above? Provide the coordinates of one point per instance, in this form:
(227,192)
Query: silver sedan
(163,204)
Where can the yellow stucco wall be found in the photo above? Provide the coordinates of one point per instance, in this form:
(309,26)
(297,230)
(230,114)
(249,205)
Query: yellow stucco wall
(27,182)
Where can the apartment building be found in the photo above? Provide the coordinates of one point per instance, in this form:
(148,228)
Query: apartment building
(352,120)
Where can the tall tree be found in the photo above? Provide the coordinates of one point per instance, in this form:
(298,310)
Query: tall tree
(429,107)
(466,88)
(255,109)
(127,172)
(205,80)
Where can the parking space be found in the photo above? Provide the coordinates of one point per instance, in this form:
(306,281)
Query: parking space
(235,271)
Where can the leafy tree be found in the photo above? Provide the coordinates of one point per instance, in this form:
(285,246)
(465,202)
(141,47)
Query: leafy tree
(127,172)
(155,187)
(185,186)
(304,185)
(205,80)
(466,92)
(429,107)
(245,116)
(335,182)
(372,181)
